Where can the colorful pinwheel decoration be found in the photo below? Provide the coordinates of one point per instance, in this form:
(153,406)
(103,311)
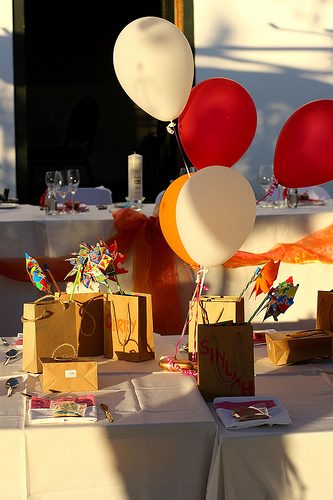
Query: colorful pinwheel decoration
(277,300)
(96,263)
(263,278)
(280,299)
(36,274)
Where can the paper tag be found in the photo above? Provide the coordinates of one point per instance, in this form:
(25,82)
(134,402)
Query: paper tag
(70,373)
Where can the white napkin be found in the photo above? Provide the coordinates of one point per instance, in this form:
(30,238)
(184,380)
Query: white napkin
(316,194)
(279,414)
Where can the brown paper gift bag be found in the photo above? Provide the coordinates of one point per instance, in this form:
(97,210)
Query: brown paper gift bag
(48,323)
(225,360)
(213,309)
(128,327)
(89,322)
(61,375)
(324,319)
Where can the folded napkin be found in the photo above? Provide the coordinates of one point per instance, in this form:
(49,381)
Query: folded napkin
(79,207)
(19,342)
(41,413)
(225,408)
(314,195)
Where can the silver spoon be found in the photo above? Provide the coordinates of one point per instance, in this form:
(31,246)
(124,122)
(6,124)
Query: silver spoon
(11,384)
(11,354)
(4,341)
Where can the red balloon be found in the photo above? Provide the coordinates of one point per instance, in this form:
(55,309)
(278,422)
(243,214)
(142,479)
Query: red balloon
(304,149)
(218,123)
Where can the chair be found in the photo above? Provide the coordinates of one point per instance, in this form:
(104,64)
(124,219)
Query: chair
(159,197)
(94,196)
(77,146)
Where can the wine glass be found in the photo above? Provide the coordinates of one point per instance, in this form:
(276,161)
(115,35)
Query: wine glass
(49,179)
(61,186)
(265,177)
(73,178)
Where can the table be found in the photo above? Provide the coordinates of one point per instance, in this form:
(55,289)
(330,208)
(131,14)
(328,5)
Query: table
(165,439)
(28,229)
(280,462)
(274,226)
(160,444)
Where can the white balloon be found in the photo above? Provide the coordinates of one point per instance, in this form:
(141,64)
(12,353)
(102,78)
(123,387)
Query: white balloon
(154,64)
(215,213)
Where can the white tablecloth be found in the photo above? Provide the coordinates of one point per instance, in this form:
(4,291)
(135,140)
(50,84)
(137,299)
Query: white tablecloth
(274,226)
(27,229)
(281,462)
(160,444)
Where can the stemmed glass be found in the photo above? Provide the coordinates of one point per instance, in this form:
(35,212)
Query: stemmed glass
(61,186)
(49,179)
(265,177)
(73,178)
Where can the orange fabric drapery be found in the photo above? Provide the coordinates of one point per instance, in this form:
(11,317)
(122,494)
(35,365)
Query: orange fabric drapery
(155,267)
(316,247)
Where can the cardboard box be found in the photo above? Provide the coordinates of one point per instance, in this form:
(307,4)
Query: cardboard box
(215,308)
(293,347)
(69,376)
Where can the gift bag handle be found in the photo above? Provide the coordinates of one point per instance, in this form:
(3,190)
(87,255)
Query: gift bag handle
(83,311)
(217,370)
(204,314)
(44,313)
(64,358)
(305,333)
(329,313)
(128,322)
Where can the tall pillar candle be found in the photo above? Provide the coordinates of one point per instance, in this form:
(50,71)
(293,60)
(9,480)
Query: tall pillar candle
(135,177)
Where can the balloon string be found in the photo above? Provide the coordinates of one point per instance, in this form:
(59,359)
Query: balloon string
(201,273)
(195,300)
(172,129)
(273,186)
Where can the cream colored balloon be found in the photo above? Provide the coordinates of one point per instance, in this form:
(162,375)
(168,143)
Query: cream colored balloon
(215,213)
(154,64)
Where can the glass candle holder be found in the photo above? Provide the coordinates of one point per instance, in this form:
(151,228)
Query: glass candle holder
(292,197)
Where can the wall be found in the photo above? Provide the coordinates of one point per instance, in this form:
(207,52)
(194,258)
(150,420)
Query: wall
(281,51)
(7,130)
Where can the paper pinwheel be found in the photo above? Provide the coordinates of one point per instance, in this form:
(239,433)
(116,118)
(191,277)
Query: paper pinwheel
(36,274)
(280,299)
(96,263)
(117,260)
(266,277)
